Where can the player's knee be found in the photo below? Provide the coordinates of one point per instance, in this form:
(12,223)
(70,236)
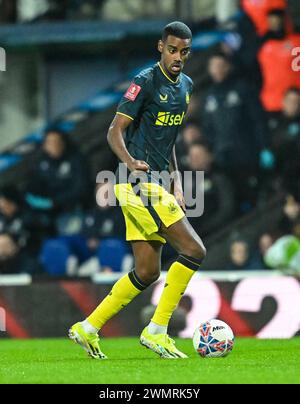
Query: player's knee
(148,275)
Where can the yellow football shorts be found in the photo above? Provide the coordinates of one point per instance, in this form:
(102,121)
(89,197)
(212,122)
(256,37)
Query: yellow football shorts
(145,206)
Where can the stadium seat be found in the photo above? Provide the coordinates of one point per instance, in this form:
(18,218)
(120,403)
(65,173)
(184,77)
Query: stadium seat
(111,253)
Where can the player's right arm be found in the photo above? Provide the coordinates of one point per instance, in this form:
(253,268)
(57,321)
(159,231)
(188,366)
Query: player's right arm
(129,107)
(115,138)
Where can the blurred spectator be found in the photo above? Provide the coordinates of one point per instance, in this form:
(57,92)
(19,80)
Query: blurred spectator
(291,213)
(60,180)
(101,240)
(277,27)
(16,239)
(233,120)
(235,126)
(225,10)
(258,11)
(42,10)
(265,242)
(105,220)
(242,44)
(191,133)
(285,252)
(285,140)
(241,256)
(276,61)
(85,9)
(8,11)
(219,194)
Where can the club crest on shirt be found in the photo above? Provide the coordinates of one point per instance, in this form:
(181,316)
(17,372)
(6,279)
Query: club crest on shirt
(132,92)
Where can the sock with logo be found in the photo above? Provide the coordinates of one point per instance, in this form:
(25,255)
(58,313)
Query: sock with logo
(122,293)
(178,277)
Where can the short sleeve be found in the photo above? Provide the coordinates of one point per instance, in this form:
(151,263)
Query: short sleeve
(133,99)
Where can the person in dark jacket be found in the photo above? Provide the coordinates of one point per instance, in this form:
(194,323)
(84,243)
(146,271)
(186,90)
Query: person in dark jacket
(17,244)
(233,119)
(234,124)
(285,140)
(242,258)
(105,220)
(190,133)
(219,193)
(60,179)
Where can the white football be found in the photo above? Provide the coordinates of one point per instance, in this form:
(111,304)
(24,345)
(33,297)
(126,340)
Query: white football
(213,339)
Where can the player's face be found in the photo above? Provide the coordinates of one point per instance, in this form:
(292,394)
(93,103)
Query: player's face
(174,53)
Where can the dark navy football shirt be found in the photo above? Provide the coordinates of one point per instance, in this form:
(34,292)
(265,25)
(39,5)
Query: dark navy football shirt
(157,106)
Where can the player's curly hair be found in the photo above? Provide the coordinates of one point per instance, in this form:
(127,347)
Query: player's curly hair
(178,29)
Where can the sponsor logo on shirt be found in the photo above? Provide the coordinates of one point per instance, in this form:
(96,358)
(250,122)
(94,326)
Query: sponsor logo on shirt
(168,119)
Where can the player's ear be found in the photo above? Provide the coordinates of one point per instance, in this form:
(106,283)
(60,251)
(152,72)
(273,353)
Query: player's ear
(160,46)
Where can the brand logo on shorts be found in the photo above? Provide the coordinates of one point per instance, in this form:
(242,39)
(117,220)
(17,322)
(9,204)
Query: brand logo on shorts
(168,119)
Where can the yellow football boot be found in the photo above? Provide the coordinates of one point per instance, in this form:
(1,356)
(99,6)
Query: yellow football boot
(161,344)
(89,342)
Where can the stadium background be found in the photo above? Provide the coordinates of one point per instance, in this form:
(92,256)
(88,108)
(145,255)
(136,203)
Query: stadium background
(67,64)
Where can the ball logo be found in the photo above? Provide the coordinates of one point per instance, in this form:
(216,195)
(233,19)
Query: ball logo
(218,328)
(296,60)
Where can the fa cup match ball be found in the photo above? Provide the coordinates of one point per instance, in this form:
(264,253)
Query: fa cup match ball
(213,339)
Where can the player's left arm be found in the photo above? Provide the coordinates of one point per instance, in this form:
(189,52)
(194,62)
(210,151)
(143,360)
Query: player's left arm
(177,184)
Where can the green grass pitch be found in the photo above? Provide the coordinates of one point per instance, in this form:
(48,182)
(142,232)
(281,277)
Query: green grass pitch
(61,361)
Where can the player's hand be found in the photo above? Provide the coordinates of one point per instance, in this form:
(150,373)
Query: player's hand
(178,193)
(138,165)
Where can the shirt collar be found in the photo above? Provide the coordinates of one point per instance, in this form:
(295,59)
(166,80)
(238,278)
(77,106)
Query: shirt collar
(166,75)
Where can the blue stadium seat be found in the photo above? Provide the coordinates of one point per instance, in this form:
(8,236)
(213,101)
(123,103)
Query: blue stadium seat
(54,256)
(111,253)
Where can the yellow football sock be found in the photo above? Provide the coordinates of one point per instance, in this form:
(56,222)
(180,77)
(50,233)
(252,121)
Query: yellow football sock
(178,277)
(122,293)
